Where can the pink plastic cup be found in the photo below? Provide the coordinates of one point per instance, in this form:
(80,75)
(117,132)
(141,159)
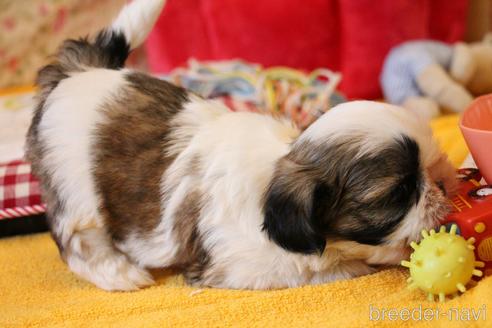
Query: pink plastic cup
(476,126)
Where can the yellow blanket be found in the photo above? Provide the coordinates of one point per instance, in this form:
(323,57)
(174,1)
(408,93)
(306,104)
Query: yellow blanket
(36,289)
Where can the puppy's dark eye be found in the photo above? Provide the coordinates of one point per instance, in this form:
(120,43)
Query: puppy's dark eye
(440,185)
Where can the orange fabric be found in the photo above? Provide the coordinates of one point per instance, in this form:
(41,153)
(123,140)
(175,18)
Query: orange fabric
(38,290)
(449,136)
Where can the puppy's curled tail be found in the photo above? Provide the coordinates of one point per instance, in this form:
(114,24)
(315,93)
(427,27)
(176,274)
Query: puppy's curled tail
(108,49)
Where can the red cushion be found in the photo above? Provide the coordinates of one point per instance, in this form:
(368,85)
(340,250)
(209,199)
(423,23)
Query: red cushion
(179,34)
(369,34)
(352,36)
(269,32)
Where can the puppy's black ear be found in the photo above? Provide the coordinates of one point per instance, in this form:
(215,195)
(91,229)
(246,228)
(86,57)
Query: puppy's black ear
(294,205)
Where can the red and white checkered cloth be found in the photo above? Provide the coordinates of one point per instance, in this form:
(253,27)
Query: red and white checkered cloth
(19,191)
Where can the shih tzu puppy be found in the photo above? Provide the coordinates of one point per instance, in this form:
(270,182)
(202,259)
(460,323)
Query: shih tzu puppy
(138,173)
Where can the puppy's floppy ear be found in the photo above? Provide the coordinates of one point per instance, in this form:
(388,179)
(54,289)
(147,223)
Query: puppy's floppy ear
(295,202)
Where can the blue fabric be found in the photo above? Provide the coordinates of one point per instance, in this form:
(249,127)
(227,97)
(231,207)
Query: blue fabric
(405,62)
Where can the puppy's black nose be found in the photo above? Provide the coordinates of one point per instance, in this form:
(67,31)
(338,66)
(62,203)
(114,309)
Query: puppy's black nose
(440,185)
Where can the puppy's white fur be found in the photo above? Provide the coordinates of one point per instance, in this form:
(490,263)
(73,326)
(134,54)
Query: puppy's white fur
(136,20)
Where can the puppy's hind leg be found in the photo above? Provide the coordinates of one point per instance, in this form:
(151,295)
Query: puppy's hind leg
(91,254)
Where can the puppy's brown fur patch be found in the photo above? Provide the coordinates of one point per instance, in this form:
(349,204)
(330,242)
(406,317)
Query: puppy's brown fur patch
(193,258)
(130,158)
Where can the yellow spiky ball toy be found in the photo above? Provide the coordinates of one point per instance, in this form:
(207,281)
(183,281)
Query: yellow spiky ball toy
(443,263)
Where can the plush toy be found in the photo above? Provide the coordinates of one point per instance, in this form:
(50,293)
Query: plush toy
(427,76)
(443,263)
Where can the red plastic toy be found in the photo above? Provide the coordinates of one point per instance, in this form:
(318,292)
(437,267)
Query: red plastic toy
(472,212)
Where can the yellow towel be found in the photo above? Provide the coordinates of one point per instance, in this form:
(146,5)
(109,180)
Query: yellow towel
(37,289)
(447,133)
